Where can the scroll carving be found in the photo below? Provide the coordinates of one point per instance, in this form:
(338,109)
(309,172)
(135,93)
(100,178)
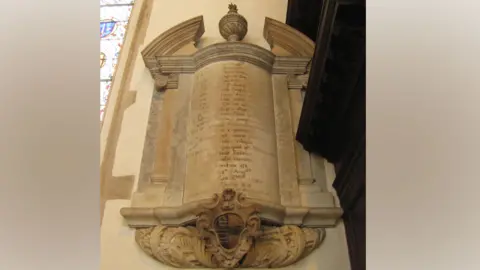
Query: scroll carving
(283,246)
(228,234)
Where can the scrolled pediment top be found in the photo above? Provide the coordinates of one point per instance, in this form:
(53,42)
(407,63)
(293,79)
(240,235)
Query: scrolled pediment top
(174,38)
(287,37)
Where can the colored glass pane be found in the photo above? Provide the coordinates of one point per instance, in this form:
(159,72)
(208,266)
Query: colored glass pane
(102,112)
(117,32)
(104,90)
(103,59)
(111,50)
(114,16)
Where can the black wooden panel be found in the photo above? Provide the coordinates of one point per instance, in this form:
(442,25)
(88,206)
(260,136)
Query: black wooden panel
(332,122)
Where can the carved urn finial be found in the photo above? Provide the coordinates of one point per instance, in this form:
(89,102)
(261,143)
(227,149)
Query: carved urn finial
(233,26)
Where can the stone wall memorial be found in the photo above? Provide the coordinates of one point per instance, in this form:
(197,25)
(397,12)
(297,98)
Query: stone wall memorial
(223,183)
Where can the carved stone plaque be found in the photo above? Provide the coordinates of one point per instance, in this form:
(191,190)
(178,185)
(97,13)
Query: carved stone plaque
(231,139)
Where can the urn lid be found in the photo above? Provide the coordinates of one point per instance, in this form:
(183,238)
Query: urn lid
(233,26)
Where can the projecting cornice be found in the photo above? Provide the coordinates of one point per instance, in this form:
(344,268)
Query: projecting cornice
(231,51)
(137,217)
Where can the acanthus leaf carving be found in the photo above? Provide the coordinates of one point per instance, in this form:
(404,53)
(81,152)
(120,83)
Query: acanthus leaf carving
(228,234)
(283,246)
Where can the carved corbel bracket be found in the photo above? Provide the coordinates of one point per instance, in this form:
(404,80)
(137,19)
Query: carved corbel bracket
(164,81)
(228,234)
(297,82)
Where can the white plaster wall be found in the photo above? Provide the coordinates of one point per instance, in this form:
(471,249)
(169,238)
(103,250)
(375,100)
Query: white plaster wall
(120,252)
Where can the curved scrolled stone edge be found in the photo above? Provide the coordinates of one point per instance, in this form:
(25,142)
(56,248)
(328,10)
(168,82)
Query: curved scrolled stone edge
(182,247)
(287,37)
(175,38)
(168,43)
(137,217)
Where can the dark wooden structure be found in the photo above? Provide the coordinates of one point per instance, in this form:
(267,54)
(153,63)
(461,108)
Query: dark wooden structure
(332,122)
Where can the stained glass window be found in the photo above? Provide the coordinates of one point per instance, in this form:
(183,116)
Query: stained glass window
(114,15)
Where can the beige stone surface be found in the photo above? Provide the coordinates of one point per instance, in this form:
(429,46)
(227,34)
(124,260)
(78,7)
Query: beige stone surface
(239,130)
(304,169)
(151,137)
(231,138)
(176,181)
(280,35)
(277,50)
(162,162)
(288,177)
